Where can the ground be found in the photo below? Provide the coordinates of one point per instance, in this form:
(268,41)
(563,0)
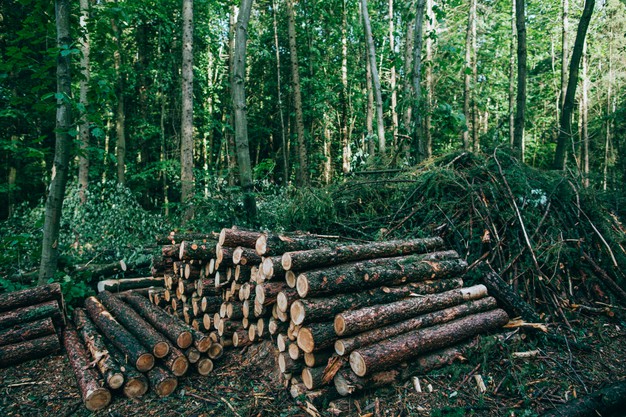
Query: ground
(242,385)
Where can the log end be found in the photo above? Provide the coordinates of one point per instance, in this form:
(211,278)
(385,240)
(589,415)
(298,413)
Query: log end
(184,340)
(181,252)
(97,399)
(267,267)
(339,325)
(340,348)
(222,238)
(357,363)
(307,378)
(135,387)
(305,340)
(193,355)
(215,351)
(161,349)
(290,278)
(259,291)
(286,261)
(237,253)
(342,386)
(145,362)
(180,366)
(204,366)
(115,380)
(294,352)
(282,362)
(203,344)
(297,312)
(261,245)
(166,387)
(302,285)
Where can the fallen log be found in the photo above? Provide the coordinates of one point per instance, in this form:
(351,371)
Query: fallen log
(508,299)
(108,367)
(162,381)
(204,366)
(316,336)
(609,401)
(196,250)
(32,313)
(390,352)
(308,259)
(26,331)
(119,336)
(31,296)
(29,349)
(133,322)
(118,285)
(345,346)
(95,396)
(357,321)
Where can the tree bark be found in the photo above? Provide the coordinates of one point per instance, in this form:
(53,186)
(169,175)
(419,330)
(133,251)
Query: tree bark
(357,321)
(584,120)
(162,381)
(508,299)
(565,125)
(512,55)
(269,244)
(417,76)
(233,237)
(389,353)
(392,78)
(320,358)
(186,130)
(118,285)
(518,134)
(26,331)
(564,53)
(83,158)
(28,350)
(346,154)
(32,313)
(176,361)
(30,296)
(62,149)
(316,337)
(267,292)
(119,336)
(427,148)
(95,396)
(302,260)
(120,112)
(288,365)
(606,402)
(284,148)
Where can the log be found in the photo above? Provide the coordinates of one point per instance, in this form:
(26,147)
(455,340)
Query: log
(313,377)
(282,342)
(223,256)
(367,318)
(345,346)
(141,329)
(95,396)
(308,259)
(319,309)
(201,341)
(291,279)
(216,350)
(356,276)
(288,365)
(26,331)
(170,251)
(274,244)
(204,366)
(234,237)
(294,352)
(245,256)
(388,353)
(29,349)
(286,298)
(608,401)
(267,292)
(234,311)
(241,339)
(119,336)
(174,237)
(32,313)
(94,342)
(30,296)
(193,355)
(176,361)
(508,298)
(118,285)
(316,336)
(197,250)
(315,359)
(135,383)
(162,381)
(272,268)
(275,326)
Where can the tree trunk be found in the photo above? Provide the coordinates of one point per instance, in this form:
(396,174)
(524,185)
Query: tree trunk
(118,285)
(564,53)
(565,128)
(83,158)
(371,52)
(302,260)
(408,69)
(345,346)
(316,337)
(508,299)
(357,321)
(239,104)
(518,135)
(27,331)
(176,361)
(303,171)
(28,350)
(392,78)
(32,313)
(186,139)
(427,148)
(284,147)
(369,117)
(120,113)
(30,296)
(605,402)
(346,151)
(418,108)
(119,336)
(108,367)
(269,244)
(585,119)
(162,381)
(95,396)
(62,150)
(512,76)
(390,352)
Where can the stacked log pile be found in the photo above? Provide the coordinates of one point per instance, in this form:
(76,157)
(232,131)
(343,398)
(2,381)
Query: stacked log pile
(30,321)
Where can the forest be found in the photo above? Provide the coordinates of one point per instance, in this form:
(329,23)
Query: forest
(497,126)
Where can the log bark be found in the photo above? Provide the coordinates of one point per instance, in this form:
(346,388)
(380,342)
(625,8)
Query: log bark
(204,366)
(162,381)
(345,346)
(170,251)
(135,383)
(316,337)
(33,313)
(245,256)
(286,298)
(303,260)
(176,361)
(275,326)
(241,339)
(320,358)
(270,244)
(508,299)
(223,256)
(201,341)
(174,237)
(271,268)
(141,329)
(357,321)
(119,336)
(267,293)
(31,296)
(313,377)
(197,250)
(390,352)
(26,331)
(28,350)
(216,350)
(288,365)
(178,332)
(118,285)
(605,402)
(377,272)
(234,237)
(95,396)
(108,367)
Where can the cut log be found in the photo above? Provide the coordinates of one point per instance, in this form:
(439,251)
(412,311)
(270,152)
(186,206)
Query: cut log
(245,256)
(252,333)
(282,342)
(234,311)
(345,346)
(193,355)
(118,285)
(316,336)
(609,401)
(294,352)
(107,365)
(241,339)
(119,336)
(32,313)
(28,350)
(267,292)
(285,299)
(135,383)
(133,322)
(308,259)
(176,361)
(357,321)
(162,381)
(170,251)
(272,268)
(275,326)
(390,352)
(508,299)
(288,365)
(31,296)
(291,279)
(261,310)
(95,396)
(313,377)
(197,250)
(174,237)
(226,328)
(177,331)
(356,276)
(26,331)
(315,359)
(274,244)
(216,350)
(204,366)
(234,237)
(223,256)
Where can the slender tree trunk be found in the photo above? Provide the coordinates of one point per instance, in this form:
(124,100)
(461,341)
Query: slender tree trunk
(186,141)
(564,53)
(283,138)
(467,98)
(584,119)
(369,117)
(230,137)
(371,51)
(83,158)
(62,151)
(430,28)
(346,154)
(328,160)
(609,131)
(408,79)
(565,129)
(474,91)
(120,113)
(512,77)
(12,178)
(239,104)
(392,79)
(417,76)
(520,21)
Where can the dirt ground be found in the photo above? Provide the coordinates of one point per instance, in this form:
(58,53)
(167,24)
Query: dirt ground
(244,386)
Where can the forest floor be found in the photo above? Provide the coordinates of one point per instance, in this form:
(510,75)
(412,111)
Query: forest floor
(243,383)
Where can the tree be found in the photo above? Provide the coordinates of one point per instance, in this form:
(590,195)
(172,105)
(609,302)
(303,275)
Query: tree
(417,75)
(186,139)
(565,128)
(62,151)
(518,134)
(83,162)
(120,112)
(239,104)
(469,71)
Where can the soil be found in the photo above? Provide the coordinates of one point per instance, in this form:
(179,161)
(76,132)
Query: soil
(244,384)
